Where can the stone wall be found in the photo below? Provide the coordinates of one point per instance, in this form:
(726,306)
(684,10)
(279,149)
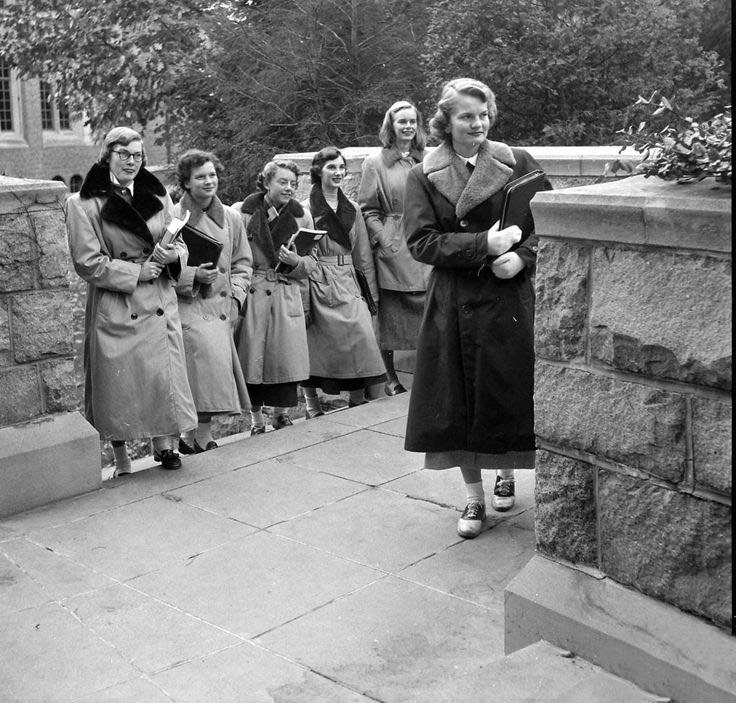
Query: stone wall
(633,387)
(37,374)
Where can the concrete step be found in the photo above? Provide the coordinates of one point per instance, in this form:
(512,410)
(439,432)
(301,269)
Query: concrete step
(543,673)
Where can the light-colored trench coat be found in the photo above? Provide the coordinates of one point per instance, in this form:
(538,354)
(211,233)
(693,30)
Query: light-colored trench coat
(207,312)
(135,374)
(272,339)
(342,343)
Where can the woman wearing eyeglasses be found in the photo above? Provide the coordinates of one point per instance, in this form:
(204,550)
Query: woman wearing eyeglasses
(135,374)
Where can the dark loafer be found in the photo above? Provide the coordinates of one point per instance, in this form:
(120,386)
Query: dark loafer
(316,413)
(211,445)
(169,459)
(282,421)
(394,389)
(184,448)
(257,429)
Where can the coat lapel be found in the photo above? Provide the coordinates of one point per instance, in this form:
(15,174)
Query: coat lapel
(270,238)
(216,211)
(448,174)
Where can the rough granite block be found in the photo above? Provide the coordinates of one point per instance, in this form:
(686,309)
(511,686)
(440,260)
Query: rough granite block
(712,450)
(664,326)
(565,515)
(61,388)
(46,460)
(42,323)
(54,261)
(630,423)
(561,284)
(17,253)
(5,350)
(21,397)
(669,545)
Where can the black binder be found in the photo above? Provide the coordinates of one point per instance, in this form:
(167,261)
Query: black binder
(302,241)
(518,195)
(203,249)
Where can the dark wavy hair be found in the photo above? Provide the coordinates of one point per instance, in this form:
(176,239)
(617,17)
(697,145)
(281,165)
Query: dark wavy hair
(122,136)
(194,158)
(329,153)
(387,135)
(269,171)
(439,125)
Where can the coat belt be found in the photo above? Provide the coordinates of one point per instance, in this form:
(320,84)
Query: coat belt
(340,260)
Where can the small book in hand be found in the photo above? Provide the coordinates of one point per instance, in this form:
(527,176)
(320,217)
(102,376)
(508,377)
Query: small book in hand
(518,196)
(203,249)
(302,242)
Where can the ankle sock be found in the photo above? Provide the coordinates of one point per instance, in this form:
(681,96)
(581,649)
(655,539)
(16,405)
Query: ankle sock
(203,434)
(505,474)
(311,400)
(161,443)
(474,493)
(122,460)
(257,419)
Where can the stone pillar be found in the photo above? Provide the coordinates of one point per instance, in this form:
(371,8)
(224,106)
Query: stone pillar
(633,418)
(47,450)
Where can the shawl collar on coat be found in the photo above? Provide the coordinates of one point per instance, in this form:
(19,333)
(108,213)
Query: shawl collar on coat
(391,154)
(270,237)
(447,172)
(216,211)
(116,210)
(337,223)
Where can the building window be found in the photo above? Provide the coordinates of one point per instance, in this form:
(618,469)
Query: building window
(54,117)
(6,98)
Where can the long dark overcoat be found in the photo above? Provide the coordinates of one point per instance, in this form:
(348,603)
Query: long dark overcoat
(473,383)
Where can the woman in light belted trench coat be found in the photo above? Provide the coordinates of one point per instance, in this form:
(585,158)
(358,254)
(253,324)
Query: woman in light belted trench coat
(210,299)
(135,375)
(272,339)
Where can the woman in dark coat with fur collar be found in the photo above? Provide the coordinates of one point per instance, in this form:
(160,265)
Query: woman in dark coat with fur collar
(471,403)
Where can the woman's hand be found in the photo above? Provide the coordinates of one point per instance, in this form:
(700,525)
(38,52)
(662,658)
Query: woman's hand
(507,265)
(165,255)
(499,241)
(149,271)
(206,273)
(287,256)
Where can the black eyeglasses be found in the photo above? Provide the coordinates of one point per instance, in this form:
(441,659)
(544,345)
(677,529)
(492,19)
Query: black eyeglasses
(125,155)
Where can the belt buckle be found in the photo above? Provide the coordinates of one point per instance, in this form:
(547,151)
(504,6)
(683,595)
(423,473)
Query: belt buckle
(341,259)
(271,275)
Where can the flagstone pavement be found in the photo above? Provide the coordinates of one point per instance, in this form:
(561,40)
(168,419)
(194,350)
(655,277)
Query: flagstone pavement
(315,563)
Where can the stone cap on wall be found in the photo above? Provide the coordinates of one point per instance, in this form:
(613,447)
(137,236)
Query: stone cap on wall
(639,210)
(23,190)
(555,160)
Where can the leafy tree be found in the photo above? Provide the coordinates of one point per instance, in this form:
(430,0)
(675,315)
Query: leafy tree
(564,72)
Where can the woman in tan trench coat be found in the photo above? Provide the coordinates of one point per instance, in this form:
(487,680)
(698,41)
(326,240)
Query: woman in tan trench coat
(135,375)
(210,299)
(272,339)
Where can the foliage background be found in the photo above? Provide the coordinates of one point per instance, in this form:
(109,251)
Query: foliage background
(249,78)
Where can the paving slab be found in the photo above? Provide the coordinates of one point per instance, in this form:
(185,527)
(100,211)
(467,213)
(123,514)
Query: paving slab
(377,528)
(268,492)
(373,413)
(49,656)
(32,575)
(372,458)
(395,641)
(137,690)
(255,584)
(136,538)
(249,674)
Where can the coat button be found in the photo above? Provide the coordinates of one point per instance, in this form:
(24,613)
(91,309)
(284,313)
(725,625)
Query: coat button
(268,292)
(160,312)
(134,316)
(123,255)
(463,223)
(223,293)
(251,290)
(223,317)
(222,270)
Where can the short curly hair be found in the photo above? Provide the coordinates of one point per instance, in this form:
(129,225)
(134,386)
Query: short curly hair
(387,135)
(194,158)
(439,125)
(329,153)
(269,171)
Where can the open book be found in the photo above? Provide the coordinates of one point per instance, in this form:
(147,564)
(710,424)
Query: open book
(518,196)
(301,242)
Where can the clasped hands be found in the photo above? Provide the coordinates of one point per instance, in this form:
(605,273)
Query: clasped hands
(162,255)
(499,241)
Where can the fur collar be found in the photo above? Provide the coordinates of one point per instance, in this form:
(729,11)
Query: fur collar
(216,211)
(337,223)
(147,194)
(391,154)
(270,236)
(447,172)
(255,201)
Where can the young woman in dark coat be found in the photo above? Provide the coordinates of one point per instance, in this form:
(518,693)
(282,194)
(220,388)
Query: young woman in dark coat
(471,403)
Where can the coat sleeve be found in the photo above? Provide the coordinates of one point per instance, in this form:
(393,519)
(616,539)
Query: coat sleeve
(241,268)
(369,200)
(362,256)
(89,255)
(425,237)
(174,269)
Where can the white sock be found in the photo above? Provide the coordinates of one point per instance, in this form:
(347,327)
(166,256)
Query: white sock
(311,399)
(279,411)
(505,474)
(122,460)
(474,493)
(161,443)
(203,433)
(257,417)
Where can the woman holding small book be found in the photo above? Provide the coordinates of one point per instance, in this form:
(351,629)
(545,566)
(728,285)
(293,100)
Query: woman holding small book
(471,403)
(211,295)
(343,352)
(272,340)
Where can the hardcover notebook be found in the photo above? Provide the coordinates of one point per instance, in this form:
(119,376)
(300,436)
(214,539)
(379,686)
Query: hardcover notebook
(302,242)
(518,195)
(203,249)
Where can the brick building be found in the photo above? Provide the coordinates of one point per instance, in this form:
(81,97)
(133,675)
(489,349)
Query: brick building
(40,140)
